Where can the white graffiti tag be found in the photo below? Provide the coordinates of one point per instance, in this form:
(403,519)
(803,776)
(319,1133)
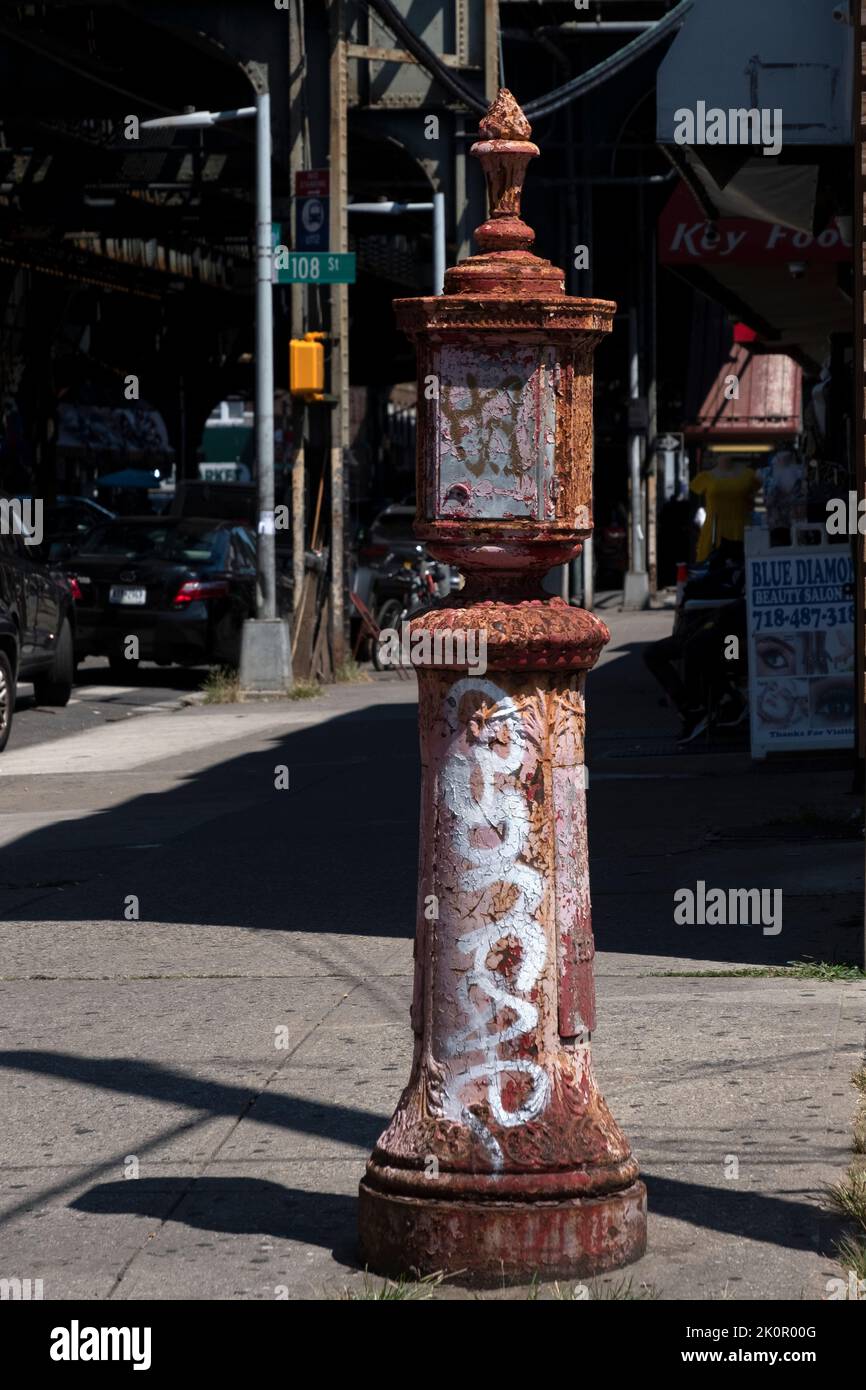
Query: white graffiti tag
(487,805)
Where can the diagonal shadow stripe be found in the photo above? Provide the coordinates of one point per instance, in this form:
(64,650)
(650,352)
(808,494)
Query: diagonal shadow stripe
(778,1221)
(149,1079)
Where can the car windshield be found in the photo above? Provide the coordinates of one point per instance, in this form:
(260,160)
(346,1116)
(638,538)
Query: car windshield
(156,541)
(65,522)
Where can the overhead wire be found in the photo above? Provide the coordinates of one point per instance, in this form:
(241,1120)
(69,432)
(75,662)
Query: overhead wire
(578,87)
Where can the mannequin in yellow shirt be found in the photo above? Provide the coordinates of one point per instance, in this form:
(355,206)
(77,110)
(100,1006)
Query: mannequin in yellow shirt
(728,489)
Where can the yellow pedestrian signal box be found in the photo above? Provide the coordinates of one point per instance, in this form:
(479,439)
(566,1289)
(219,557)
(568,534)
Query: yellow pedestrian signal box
(307,366)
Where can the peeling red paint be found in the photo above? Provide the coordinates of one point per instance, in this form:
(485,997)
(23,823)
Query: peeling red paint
(502,1158)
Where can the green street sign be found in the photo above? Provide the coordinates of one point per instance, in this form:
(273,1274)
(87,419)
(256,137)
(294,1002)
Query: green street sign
(313,267)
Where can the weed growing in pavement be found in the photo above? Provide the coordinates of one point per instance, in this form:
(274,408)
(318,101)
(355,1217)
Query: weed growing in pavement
(848,1197)
(618,1290)
(305,690)
(425,1289)
(395,1289)
(852,1256)
(350,672)
(859,1141)
(623,1290)
(221,687)
(794,970)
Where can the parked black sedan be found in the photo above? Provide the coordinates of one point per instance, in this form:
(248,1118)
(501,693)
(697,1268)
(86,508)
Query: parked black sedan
(180,586)
(36,628)
(68,522)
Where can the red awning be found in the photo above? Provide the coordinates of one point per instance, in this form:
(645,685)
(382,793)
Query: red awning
(767,404)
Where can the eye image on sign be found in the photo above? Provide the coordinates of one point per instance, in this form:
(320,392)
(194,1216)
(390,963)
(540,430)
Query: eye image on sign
(801,643)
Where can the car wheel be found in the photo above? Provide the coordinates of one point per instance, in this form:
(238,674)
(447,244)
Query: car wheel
(55,686)
(388,617)
(7,699)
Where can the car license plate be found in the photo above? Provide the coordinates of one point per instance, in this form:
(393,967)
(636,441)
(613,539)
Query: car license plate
(119,593)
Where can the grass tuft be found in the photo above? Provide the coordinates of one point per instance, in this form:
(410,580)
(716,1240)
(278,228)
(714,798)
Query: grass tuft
(221,686)
(794,970)
(852,1256)
(623,1290)
(304,690)
(352,673)
(858,1080)
(395,1290)
(848,1198)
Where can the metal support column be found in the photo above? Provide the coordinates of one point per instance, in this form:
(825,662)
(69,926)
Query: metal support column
(339,241)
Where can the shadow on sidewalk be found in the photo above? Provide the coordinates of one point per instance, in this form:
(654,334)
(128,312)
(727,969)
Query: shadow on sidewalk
(664,819)
(256,1206)
(780,1221)
(156,1082)
(235,1206)
(338,851)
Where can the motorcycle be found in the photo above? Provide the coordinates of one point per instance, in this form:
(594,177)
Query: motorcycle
(411,586)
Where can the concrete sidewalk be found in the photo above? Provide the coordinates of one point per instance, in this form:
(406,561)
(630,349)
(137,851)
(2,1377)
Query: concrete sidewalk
(190,1097)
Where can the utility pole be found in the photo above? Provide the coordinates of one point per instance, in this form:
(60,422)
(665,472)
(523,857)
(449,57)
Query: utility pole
(266,605)
(266,656)
(339,241)
(636,588)
(297,132)
(266,649)
(648,240)
(586,287)
(491,48)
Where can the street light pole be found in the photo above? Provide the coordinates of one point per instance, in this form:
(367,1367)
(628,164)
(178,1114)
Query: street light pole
(635,594)
(389,208)
(266,607)
(266,660)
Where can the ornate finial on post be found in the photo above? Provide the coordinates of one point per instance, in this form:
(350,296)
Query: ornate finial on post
(504,152)
(505,265)
(505,119)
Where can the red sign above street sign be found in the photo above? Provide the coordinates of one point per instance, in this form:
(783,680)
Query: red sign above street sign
(312,183)
(685,237)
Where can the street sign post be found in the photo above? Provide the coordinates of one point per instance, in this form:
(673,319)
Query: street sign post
(311,224)
(312,183)
(315,267)
(312,210)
